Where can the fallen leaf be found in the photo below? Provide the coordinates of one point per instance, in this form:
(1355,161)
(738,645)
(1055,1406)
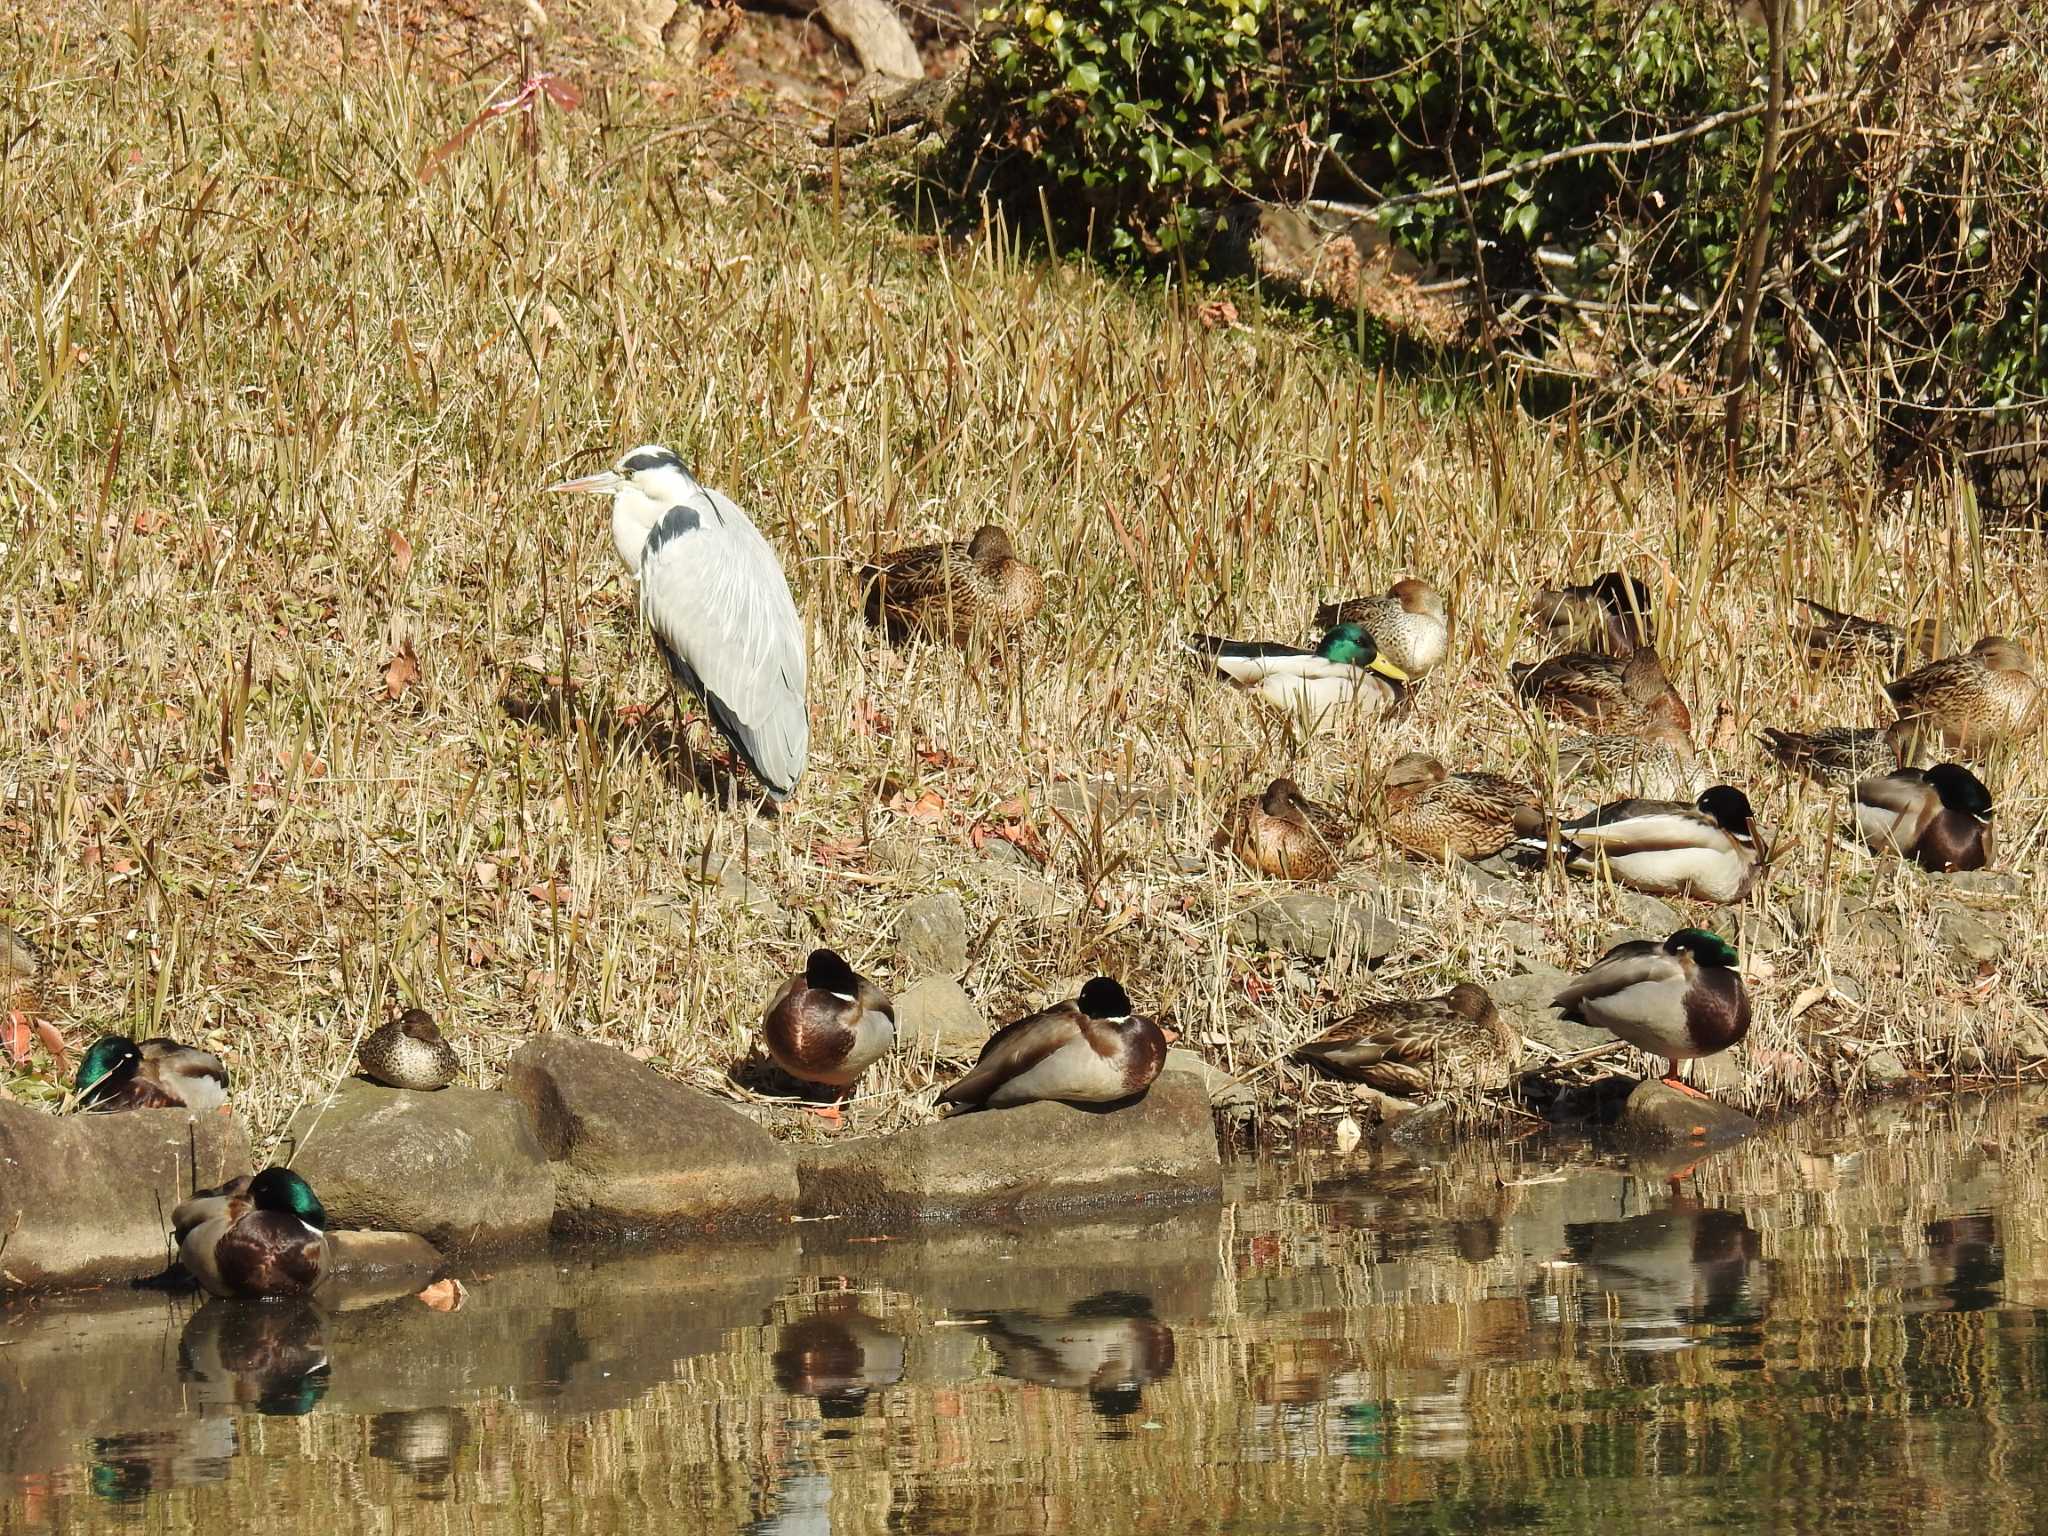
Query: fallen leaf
(1217,312)
(1804,1001)
(1348,1134)
(53,1042)
(937,757)
(445,1295)
(15,1036)
(870,721)
(401,672)
(552,892)
(148,520)
(401,552)
(487,874)
(838,850)
(929,806)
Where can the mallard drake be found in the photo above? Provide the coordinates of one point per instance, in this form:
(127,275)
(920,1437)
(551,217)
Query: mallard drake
(1410,625)
(1832,637)
(828,1025)
(1708,850)
(1660,764)
(255,1236)
(1435,813)
(837,1354)
(1422,1046)
(1345,672)
(409,1052)
(1285,834)
(1939,818)
(1837,756)
(158,1073)
(1985,695)
(1603,693)
(1680,999)
(1093,1050)
(950,590)
(1610,613)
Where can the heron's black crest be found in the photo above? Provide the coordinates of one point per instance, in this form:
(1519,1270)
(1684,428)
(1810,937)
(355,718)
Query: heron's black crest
(651,458)
(678,520)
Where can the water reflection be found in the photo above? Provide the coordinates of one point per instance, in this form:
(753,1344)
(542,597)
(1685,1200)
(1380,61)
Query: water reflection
(1833,1328)
(1109,1346)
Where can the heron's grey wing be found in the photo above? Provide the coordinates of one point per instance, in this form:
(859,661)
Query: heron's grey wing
(715,597)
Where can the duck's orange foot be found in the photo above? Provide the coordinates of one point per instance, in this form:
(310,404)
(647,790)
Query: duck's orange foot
(1673,1080)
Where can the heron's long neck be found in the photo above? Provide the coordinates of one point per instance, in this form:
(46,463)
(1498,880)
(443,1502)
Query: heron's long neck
(634,515)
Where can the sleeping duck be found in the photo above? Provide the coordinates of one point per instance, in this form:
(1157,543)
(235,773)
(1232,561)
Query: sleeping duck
(1435,813)
(1285,834)
(158,1073)
(1421,1046)
(253,1237)
(409,1052)
(1345,672)
(1610,614)
(1092,1050)
(1939,818)
(1680,999)
(950,590)
(1604,694)
(1708,850)
(1968,702)
(828,1025)
(1410,625)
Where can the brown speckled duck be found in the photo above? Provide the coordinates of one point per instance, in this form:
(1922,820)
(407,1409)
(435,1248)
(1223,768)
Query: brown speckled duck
(950,590)
(1604,694)
(1680,999)
(1968,702)
(1609,614)
(1425,1046)
(1285,834)
(828,1025)
(1940,818)
(1835,756)
(1410,625)
(409,1052)
(1433,812)
(1660,763)
(1833,638)
(1093,1050)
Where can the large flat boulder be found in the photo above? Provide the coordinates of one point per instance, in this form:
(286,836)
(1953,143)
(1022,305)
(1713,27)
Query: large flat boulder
(636,1153)
(86,1199)
(1657,1115)
(1037,1159)
(460,1167)
(1320,927)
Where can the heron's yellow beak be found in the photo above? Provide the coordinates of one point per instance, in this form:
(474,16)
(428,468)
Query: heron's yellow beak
(603,480)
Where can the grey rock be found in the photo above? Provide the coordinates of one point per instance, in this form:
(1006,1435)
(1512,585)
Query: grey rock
(1317,926)
(635,1153)
(1079,802)
(1657,1115)
(1717,1074)
(460,1167)
(1225,1092)
(931,935)
(1022,889)
(2029,1042)
(1037,1159)
(1647,913)
(1872,928)
(391,1263)
(1970,939)
(1883,1071)
(1525,941)
(937,1015)
(1525,1001)
(86,1199)
(1981,887)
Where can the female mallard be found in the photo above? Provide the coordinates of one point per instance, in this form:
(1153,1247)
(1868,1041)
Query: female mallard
(1435,813)
(254,1237)
(950,590)
(1285,834)
(1985,695)
(1410,625)
(828,1025)
(1345,672)
(1679,1000)
(1835,756)
(1707,850)
(1832,637)
(1090,1051)
(409,1052)
(1422,1046)
(1660,763)
(1603,694)
(1940,818)
(158,1073)
(1610,613)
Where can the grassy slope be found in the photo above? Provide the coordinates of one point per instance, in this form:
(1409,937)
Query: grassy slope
(274,403)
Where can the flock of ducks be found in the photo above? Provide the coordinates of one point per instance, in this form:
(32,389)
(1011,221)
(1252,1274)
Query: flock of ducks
(1679,998)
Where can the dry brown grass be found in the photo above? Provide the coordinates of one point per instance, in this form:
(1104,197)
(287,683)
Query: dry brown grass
(276,411)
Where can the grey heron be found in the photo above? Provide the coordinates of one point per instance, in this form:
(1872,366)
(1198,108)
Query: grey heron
(714,594)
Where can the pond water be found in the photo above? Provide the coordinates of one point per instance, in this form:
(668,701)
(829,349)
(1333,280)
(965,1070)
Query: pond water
(1838,1327)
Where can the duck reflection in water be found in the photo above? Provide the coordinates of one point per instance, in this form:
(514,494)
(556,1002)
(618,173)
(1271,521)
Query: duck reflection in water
(1668,1270)
(1109,1346)
(422,1443)
(838,1354)
(267,1356)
